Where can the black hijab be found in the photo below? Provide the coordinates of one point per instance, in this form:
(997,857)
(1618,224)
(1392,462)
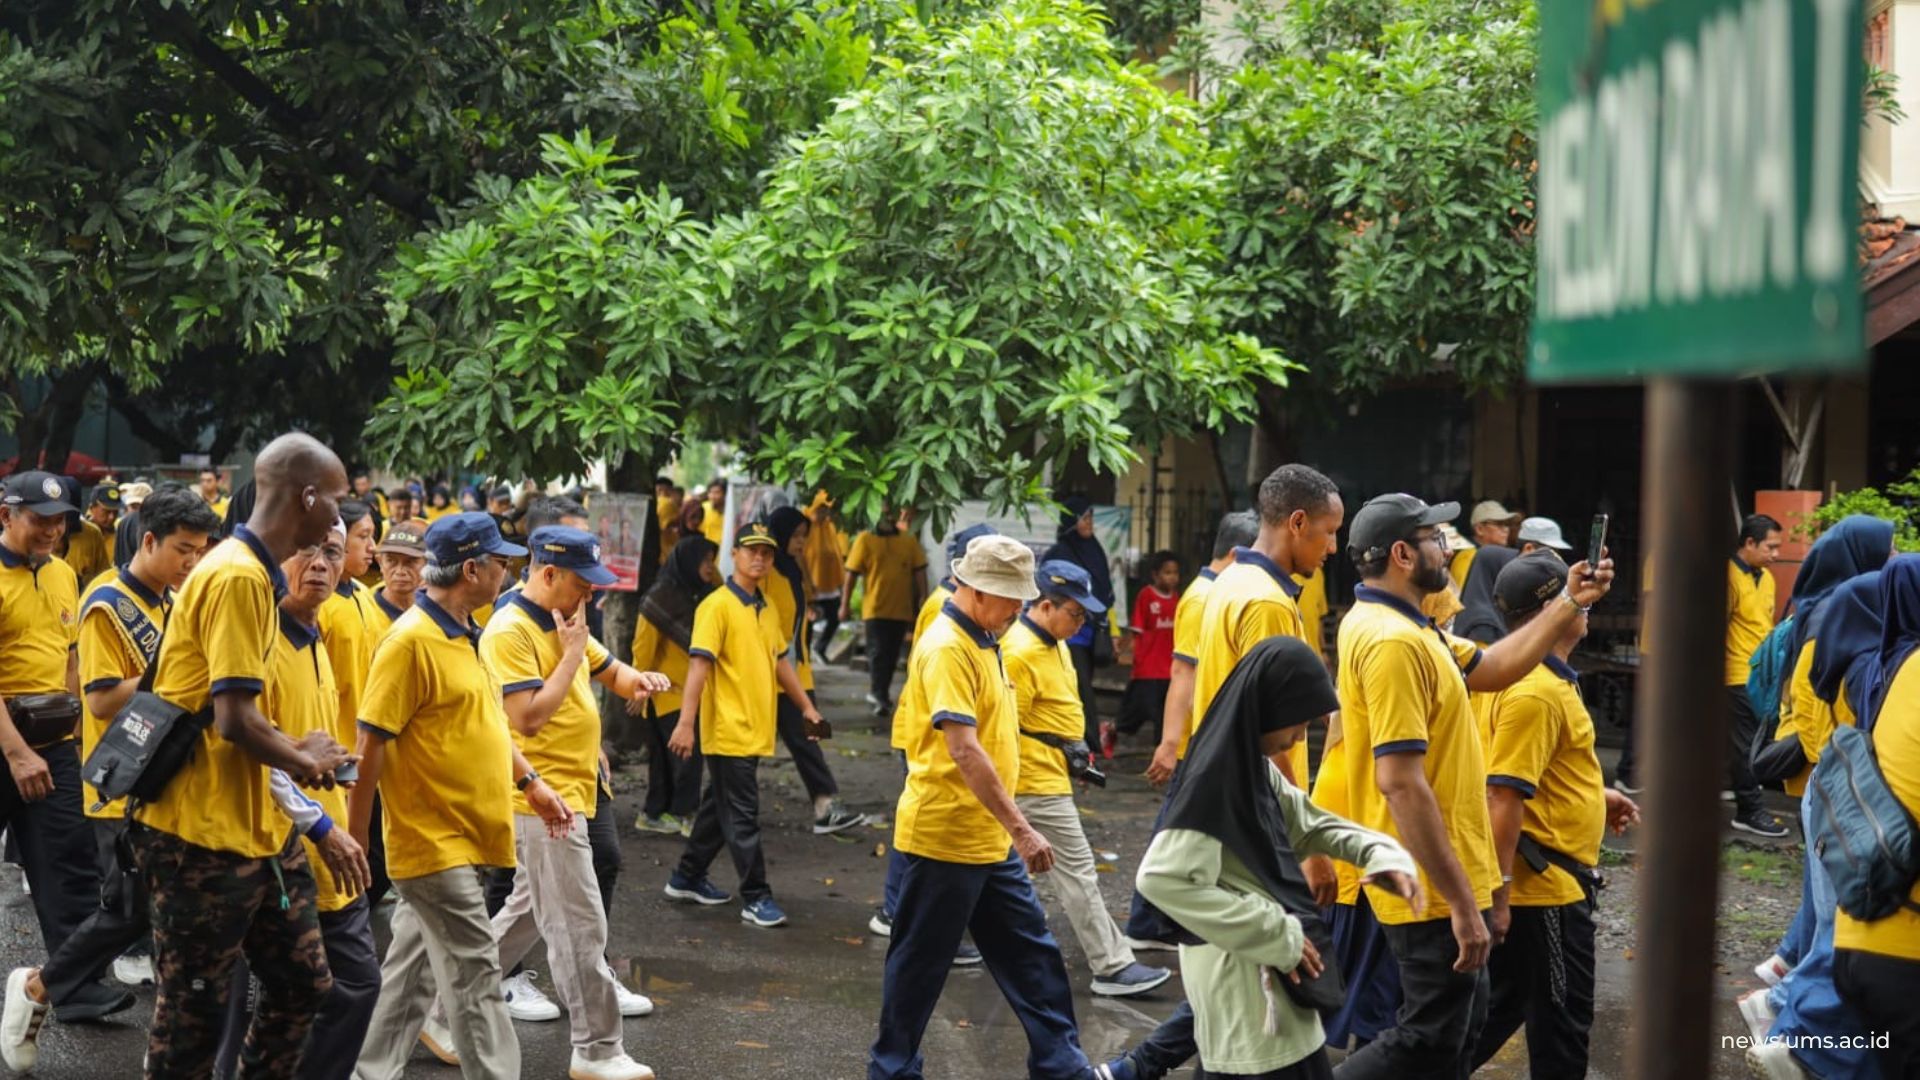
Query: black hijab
(1084,552)
(1479,619)
(783,522)
(679,589)
(1226,790)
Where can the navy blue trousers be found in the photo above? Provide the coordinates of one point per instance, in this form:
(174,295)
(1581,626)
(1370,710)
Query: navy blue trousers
(1369,970)
(938,903)
(1144,921)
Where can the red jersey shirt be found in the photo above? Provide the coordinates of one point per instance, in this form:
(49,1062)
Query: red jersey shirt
(1153,629)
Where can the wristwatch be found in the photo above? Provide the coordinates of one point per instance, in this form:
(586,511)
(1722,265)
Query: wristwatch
(522,783)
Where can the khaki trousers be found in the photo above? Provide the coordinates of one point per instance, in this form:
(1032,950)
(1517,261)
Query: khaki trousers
(1073,877)
(556,896)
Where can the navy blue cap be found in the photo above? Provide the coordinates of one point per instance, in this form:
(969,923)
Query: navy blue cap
(41,492)
(570,549)
(1071,581)
(458,537)
(957,543)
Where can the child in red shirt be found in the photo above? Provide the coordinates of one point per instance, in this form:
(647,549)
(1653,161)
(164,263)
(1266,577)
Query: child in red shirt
(1152,629)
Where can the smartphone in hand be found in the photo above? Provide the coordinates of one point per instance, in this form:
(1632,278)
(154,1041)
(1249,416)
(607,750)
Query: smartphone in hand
(1597,542)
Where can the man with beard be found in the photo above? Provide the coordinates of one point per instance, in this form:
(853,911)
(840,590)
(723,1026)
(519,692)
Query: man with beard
(1417,772)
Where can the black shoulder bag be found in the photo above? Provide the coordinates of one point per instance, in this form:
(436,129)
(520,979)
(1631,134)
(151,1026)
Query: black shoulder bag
(149,741)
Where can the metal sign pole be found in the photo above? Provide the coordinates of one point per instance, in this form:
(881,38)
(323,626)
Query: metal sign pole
(1683,725)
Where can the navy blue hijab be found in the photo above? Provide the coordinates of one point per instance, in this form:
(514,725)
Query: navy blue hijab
(1082,551)
(1856,544)
(1899,634)
(1846,628)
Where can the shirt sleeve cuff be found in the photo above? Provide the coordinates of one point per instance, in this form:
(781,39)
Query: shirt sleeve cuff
(949,717)
(1478,655)
(236,686)
(702,654)
(1185,659)
(523,684)
(320,828)
(372,729)
(99,684)
(1525,789)
(1402,746)
(603,665)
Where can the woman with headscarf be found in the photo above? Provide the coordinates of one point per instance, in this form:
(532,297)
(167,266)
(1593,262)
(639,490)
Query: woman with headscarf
(1077,545)
(788,594)
(1804,1010)
(1876,965)
(661,636)
(1479,617)
(826,561)
(1225,867)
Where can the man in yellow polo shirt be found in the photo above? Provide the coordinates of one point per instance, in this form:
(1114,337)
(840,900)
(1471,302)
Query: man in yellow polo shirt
(1549,806)
(890,558)
(1237,529)
(210,491)
(86,547)
(1750,607)
(402,555)
(434,744)
(1046,693)
(969,849)
(1417,772)
(735,661)
(121,619)
(713,523)
(222,877)
(537,645)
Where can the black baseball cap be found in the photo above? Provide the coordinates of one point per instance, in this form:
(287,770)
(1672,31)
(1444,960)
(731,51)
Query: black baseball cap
(38,492)
(105,495)
(1388,519)
(571,549)
(1529,583)
(755,534)
(458,537)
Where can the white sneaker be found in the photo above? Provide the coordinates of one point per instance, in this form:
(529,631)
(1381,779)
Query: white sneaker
(20,1022)
(525,1001)
(1757,1013)
(438,1039)
(1771,970)
(1772,1061)
(134,970)
(632,1003)
(613,1068)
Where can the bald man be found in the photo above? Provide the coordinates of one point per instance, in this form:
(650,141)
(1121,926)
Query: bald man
(224,873)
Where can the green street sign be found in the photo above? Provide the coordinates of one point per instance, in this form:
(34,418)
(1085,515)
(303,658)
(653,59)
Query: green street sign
(1698,213)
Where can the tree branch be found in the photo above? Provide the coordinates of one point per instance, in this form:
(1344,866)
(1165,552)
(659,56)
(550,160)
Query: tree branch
(294,121)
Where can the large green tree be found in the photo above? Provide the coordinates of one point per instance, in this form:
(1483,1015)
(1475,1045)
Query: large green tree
(1001,250)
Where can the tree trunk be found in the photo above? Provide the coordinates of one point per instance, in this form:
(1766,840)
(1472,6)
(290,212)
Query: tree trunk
(620,611)
(46,431)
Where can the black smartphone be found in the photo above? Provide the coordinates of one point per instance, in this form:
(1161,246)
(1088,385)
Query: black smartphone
(821,730)
(1597,543)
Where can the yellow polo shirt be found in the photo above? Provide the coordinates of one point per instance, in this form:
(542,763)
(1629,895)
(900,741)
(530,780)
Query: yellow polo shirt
(447,786)
(1749,617)
(739,632)
(1330,794)
(301,698)
(1896,746)
(219,639)
(713,524)
(1046,698)
(929,611)
(1460,565)
(1312,602)
(89,551)
(111,652)
(1805,717)
(1403,688)
(796,626)
(381,616)
(826,559)
(1186,620)
(1540,743)
(351,626)
(955,677)
(1250,601)
(39,624)
(889,562)
(655,651)
(522,647)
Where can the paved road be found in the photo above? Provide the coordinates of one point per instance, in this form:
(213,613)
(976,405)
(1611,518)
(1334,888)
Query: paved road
(799,1003)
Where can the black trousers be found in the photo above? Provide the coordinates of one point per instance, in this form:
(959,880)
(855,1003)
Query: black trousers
(1441,1011)
(1145,706)
(827,610)
(1883,990)
(116,924)
(57,847)
(885,637)
(1542,977)
(1742,725)
(808,758)
(729,817)
(673,786)
(1083,671)
(1312,1067)
(1626,771)
(377,856)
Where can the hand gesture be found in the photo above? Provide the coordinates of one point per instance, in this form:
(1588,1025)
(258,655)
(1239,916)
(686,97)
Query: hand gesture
(1321,879)
(1621,812)
(1034,850)
(573,631)
(1165,757)
(347,861)
(31,777)
(1401,884)
(1499,921)
(1470,930)
(326,754)
(551,808)
(1588,583)
(1310,963)
(651,683)
(637,705)
(680,744)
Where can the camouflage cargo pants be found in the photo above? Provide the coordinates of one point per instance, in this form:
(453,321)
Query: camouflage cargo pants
(209,908)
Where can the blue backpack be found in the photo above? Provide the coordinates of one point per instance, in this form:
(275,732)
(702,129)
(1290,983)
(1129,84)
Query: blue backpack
(1767,675)
(1862,834)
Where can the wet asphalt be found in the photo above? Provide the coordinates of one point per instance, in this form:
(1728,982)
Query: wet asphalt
(800,1002)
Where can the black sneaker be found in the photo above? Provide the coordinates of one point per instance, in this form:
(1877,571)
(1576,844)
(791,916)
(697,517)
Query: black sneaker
(1760,823)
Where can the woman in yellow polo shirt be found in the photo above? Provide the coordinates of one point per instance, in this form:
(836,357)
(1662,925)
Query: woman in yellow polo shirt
(661,637)
(1876,965)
